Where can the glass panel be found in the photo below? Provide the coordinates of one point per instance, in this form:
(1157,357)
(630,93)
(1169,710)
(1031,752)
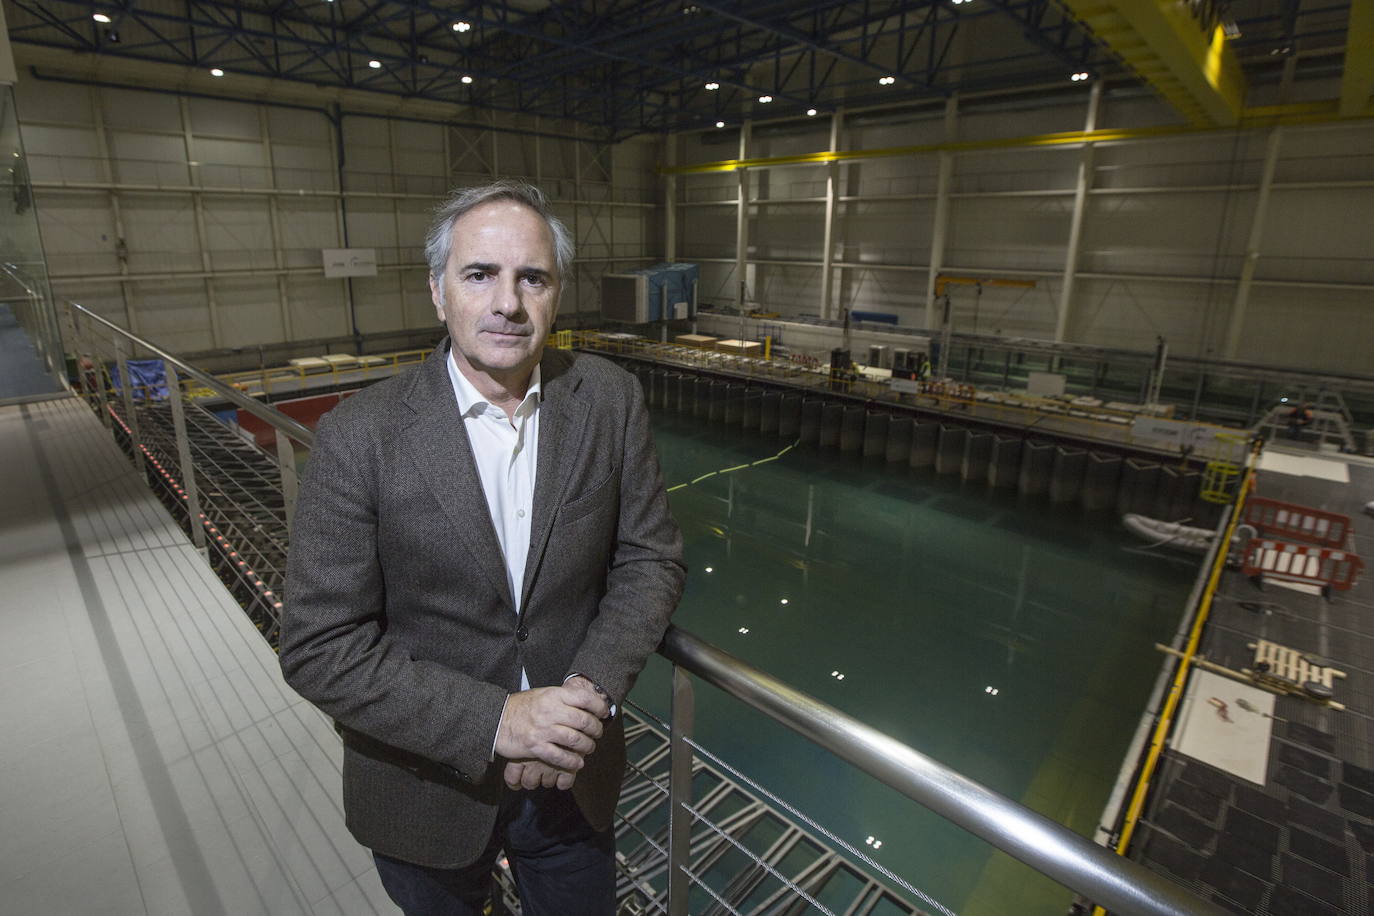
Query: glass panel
(31,359)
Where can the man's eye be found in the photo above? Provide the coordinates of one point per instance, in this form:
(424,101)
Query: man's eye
(477,275)
(534,280)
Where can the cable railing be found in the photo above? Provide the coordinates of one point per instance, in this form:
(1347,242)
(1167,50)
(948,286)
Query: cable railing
(1115,883)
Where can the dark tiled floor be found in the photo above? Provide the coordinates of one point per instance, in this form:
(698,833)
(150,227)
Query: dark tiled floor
(1302,844)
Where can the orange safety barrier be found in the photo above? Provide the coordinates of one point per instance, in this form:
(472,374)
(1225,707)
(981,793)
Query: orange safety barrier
(1310,564)
(1298,523)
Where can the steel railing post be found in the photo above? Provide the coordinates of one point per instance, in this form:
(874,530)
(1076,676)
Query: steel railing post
(188,468)
(286,463)
(102,405)
(680,792)
(130,418)
(79,344)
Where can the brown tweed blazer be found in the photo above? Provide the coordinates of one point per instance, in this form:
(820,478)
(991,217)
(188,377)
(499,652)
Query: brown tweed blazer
(399,622)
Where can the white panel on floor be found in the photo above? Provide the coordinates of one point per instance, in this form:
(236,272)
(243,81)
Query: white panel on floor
(1216,728)
(1303,466)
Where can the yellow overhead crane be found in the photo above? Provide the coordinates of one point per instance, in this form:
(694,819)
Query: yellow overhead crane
(942,281)
(1187,59)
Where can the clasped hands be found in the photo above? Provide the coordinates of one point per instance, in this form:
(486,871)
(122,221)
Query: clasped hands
(547,732)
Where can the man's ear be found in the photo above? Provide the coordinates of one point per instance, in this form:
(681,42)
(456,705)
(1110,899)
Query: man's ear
(436,295)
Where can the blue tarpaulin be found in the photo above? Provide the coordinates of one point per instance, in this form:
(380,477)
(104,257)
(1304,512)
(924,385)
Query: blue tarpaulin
(149,377)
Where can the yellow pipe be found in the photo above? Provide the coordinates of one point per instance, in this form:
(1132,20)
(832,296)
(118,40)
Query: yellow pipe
(1267,116)
(1142,786)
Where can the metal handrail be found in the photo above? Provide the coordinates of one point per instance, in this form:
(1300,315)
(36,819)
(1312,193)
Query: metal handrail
(1126,887)
(263,412)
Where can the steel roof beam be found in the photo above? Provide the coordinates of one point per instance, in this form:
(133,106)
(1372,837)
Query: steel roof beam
(1067,41)
(787,32)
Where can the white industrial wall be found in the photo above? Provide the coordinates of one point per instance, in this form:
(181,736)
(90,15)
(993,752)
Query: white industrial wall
(1165,227)
(198,222)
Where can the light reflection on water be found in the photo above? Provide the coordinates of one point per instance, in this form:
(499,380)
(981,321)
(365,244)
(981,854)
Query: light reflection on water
(1006,638)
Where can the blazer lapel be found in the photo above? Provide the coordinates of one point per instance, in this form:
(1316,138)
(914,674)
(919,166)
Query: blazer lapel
(438,443)
(562,423)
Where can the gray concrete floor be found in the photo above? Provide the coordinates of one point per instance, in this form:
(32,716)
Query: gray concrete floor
(154,762)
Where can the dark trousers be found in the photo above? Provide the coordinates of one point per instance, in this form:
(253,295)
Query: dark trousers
(562,866)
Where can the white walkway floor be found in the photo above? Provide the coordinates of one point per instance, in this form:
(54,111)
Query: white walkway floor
(152,760)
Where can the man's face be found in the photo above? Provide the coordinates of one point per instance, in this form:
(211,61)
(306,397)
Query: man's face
(500,292)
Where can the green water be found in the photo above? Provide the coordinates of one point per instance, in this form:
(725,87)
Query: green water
(927,595)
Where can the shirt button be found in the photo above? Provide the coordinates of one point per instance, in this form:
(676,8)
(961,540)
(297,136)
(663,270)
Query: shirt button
(521,633)
(519,513)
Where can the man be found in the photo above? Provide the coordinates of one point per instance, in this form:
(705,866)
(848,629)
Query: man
(482,559)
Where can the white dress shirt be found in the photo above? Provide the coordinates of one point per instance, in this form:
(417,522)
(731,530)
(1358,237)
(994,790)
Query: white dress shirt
(506,454)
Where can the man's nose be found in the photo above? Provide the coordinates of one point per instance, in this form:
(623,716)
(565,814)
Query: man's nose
(507,299)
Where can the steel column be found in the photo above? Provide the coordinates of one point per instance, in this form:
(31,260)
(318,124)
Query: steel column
(1080,199)
(742,219)
(1252,246)
(941,227)
(670,200)
(832,190)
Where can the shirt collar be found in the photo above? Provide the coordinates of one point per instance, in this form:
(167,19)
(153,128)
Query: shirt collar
(471,403)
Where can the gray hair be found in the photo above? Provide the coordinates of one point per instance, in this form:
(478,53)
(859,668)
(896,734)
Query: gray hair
(439,240)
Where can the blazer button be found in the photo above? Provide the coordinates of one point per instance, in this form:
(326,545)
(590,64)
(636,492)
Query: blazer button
(521,633)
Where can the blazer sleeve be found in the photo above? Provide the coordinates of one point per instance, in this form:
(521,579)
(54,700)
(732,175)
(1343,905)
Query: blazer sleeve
(646,573)
(334,647)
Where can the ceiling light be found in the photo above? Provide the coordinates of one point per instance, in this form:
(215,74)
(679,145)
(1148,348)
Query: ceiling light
(886,80)
(765,99)
(712,86)
(711,568)
(465,79)
(375,64)
(783,601)
(720,123)
(461,26)
(101,18)
(1079,76)
(216,72)
(810,112)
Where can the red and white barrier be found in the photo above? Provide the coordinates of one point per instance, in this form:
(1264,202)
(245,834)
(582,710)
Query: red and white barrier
(1310,564)
(1273,518)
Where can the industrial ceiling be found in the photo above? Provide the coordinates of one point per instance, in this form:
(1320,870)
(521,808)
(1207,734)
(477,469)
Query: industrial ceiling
(626,67)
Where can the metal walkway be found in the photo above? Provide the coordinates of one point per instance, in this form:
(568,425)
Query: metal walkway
(154,761)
